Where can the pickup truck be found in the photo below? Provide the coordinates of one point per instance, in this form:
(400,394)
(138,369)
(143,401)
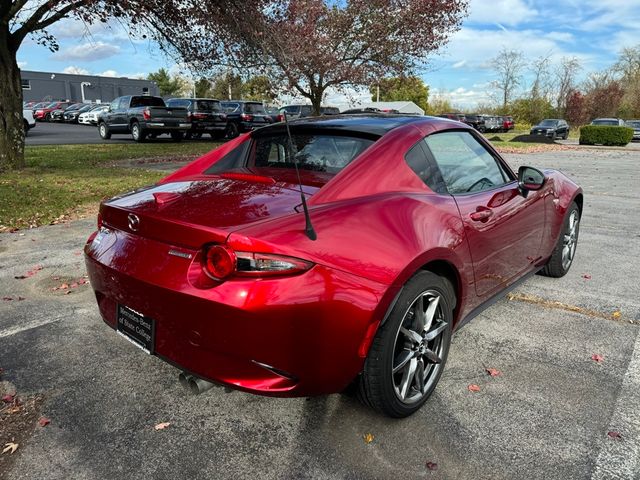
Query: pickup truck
(143,116)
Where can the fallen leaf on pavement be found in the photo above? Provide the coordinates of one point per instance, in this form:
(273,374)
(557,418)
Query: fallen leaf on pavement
(586,276)
(21,298)
(7,299)
(494,372)
(44,421)
(431,466)
(597,358)
(615,435)
(473,388)
(8,398)
(368,438)
(10,447)
(162,426)
(616,314)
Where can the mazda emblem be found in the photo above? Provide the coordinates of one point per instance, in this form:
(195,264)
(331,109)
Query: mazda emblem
(134,222)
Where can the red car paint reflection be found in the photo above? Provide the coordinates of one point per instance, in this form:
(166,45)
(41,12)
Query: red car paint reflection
(378,222)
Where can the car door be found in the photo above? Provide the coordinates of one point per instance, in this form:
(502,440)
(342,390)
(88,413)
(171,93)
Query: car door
(504,229)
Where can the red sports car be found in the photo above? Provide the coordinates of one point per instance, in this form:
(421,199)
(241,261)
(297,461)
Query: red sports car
(414,225)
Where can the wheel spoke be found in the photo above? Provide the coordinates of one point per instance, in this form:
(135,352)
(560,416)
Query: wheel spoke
(435,332)
(418,312)
(407,378)
(420,375)
(401,360)
(431,312)
(432,356)
(411,335)
(567,239)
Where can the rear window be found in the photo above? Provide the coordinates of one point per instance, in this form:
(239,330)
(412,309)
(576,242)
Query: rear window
(604,122)
(146,102)
(320,153)
(208,105)
(179,103)
(253,108)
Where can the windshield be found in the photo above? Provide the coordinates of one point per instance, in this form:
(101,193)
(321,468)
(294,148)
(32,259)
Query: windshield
(634,123)
(146,102)
(253,108)
(320,153)
(548,123)
(291,109)
(605,122)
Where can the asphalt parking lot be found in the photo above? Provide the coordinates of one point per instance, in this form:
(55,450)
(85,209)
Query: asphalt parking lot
(547,416)
(45,133)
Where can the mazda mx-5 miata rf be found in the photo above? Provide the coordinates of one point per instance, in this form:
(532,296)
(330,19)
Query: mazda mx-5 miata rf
(410,226)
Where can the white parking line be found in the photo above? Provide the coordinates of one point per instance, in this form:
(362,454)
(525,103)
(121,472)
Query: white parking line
(7,332)
(620,458)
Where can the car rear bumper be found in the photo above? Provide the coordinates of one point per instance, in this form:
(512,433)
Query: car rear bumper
(209,127)
(179,127)
(288,336)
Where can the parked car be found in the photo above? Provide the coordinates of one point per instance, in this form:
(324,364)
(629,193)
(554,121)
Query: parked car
(552,128)
(329,111)
(244,116)
(90,117)
(295,111)
(28,120)
(507,123)
(352,111)
(460,117)
(143,116)
(635,124)
(476,121)
(205,114)
(218,270)
(492,123)
(71,116)
(43,114)
(38,105)
(611,122)
(28,105)
(57,115)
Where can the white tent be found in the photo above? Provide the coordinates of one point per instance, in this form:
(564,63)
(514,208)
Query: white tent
(402,107)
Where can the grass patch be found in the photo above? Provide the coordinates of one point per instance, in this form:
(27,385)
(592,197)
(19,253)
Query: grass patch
(63,181)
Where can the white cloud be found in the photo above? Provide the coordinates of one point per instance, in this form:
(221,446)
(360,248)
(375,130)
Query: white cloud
(73,70)
(459,64)
(504,12)
(21,65)
(109,73)
(88,52)
(463,98)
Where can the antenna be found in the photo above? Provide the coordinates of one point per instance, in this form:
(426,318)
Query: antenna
(308,229)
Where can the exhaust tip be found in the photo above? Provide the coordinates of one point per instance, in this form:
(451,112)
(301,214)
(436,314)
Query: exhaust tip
(184,378)
(199,385)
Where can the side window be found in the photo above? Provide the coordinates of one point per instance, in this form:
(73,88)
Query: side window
(306,110)
(114,104)
(466,166)
(277,153)
(124,103)
(424,168)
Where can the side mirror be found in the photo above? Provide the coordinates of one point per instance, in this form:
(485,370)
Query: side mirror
(530,179)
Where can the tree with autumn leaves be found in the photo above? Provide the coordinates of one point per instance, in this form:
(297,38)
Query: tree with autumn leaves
(307,46)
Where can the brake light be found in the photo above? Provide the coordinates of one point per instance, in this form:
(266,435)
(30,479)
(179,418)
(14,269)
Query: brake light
(199,115)
(146,114)
(99,221)
(267,264)
(246,117)
(219,262)
(280,118)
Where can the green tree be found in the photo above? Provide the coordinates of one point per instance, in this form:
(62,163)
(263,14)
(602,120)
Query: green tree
(227,86)
(409,88)
(168,86)
(203,88)
(259,87)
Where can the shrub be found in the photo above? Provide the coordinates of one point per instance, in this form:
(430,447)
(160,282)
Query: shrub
(605,135)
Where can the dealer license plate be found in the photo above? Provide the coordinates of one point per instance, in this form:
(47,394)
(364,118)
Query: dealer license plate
(136,328)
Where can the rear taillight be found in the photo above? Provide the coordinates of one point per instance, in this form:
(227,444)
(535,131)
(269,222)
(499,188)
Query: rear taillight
(280,118)
(99,221)
(146,114)
(267,264)
(246,117)
(200,115)
(220,262)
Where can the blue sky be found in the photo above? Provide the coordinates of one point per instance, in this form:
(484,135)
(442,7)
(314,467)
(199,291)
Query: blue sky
(592,30)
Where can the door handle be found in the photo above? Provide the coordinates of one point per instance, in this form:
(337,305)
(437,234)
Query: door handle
(482,214)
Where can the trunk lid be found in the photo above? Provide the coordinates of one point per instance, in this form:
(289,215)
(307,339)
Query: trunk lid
(202,210)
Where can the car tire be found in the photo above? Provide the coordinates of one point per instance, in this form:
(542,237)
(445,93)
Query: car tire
(47,117)
(564,252)
(396,347)
(187,135)
(177,136)
(231,131)
(216,135)
(137,133)
(103,130)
